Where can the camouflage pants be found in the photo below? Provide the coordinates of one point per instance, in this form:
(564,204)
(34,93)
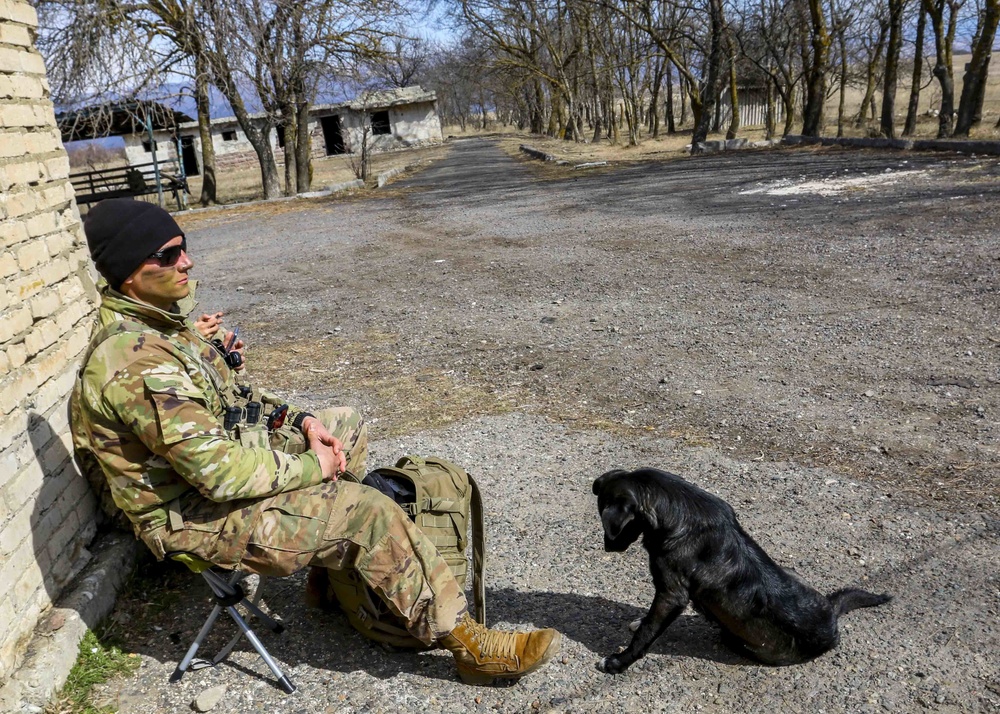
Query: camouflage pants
(345,525)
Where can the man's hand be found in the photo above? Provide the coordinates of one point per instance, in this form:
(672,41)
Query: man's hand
(208,325)
(237,347)
(328,448)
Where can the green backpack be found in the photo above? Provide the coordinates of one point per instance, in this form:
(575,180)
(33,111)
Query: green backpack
(439,497)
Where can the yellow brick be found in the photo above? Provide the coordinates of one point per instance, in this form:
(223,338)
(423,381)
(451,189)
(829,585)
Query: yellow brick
(31,62)
(11,144)
(25,87)
(42,335)
(55,271)
(44,304)
(10,60)
(20,203)
(25,485)
(54,391)
(57,167)
(60,243)
(27,586)
(53,195)
(8,264)
(15,35)
(32,253)
(4,369)
(24,13)
(12,232)
(23,172)
(17,355)
(16,388)
(27,285)
(7,86)
(70,290)
(19,115)
(14,323)
(41,224)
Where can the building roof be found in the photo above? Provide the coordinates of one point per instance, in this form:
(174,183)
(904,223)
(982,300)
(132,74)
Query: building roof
(366,101)
(117,119)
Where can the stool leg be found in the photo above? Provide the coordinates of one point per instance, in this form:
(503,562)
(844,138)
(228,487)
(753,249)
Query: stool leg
(283,681)
(193,649)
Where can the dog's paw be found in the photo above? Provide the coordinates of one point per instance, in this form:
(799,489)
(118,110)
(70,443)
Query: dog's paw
(611,665)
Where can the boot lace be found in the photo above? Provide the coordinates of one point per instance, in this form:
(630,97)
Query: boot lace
(498,644)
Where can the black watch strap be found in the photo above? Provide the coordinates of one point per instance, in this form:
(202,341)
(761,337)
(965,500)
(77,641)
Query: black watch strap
(301,417)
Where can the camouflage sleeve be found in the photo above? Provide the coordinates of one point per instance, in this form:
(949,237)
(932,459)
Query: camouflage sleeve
(163,407)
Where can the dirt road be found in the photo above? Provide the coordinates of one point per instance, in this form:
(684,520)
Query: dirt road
(813,335)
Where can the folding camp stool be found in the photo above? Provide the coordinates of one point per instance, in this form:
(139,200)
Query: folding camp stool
(228,593)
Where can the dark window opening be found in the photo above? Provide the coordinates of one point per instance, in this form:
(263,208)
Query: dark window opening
(332,135)
(280,130)
(229,135)
(380,123)
(189,156)
(148,147)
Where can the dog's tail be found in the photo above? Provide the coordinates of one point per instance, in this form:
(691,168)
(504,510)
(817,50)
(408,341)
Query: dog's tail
(848,599)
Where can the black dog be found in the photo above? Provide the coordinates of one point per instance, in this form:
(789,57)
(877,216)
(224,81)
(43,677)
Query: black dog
(698,552)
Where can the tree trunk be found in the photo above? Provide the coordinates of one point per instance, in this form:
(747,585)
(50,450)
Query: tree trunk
(208,185)
(871,70)
(734,100)
(291,130)
(788,102)
(671,127)
(943,40)
(918,71)
(303,148)
(970,106)
(684,105)
(769,116)
(812,111)
(842,104)
(708,98)
(888,125)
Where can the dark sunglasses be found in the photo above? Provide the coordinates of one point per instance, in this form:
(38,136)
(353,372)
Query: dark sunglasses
(169,256)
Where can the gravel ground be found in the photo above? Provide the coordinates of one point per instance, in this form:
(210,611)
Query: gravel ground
(821,352)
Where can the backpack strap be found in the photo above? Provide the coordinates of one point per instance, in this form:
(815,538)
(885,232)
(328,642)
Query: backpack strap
(478,554)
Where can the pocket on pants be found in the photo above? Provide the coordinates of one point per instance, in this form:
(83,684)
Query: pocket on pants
(360,515)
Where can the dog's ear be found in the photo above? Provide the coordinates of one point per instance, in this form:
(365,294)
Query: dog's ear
(615,517)
(604,478)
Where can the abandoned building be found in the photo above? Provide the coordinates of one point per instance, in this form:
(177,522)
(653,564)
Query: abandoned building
(387,120)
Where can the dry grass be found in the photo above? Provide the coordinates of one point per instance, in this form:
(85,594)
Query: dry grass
(240,185)
(406,399)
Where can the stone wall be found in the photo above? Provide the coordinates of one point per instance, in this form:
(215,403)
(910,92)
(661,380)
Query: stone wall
(46,509)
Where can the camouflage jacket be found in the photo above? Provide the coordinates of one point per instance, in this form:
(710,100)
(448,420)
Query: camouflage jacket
(147,408)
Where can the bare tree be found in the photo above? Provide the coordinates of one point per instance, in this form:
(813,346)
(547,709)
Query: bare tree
(970,106)
(944,21)
(815,69)
(917,77)
(889,79)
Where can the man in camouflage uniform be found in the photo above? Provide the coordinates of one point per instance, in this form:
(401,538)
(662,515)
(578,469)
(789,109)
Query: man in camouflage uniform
(149,412)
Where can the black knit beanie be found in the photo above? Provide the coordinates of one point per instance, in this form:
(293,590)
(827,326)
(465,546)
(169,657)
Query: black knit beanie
(122,233)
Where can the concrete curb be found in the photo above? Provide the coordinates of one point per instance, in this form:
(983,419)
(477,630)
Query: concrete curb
(960,146)
(384,178)
(537,153)
(718,145)
(52,651)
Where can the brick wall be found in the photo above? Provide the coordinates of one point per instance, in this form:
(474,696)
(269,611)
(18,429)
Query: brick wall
(46,510)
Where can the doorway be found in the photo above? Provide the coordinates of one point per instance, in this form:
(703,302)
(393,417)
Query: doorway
(189,156)
(332,135)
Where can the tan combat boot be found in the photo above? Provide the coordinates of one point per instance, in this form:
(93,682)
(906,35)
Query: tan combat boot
(483,654)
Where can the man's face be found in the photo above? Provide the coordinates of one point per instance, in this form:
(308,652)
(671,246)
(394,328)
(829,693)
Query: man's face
(162,278)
